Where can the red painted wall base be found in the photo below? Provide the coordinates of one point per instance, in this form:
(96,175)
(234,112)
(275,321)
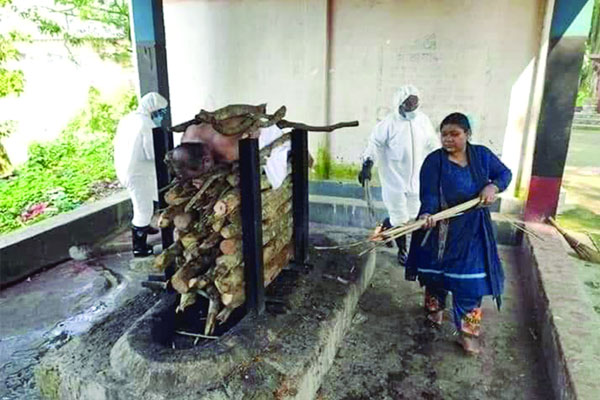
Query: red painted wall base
(542,200)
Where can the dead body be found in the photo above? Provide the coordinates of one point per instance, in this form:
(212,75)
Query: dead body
(201,148)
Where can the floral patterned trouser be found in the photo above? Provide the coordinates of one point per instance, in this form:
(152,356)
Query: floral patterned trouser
(465,310)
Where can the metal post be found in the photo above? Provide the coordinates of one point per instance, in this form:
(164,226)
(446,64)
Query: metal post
(252,225)
(150,48)
(163,142)
(300,195)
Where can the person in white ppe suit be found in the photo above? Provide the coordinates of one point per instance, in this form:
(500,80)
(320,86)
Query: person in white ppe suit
(134,164)
(399,143)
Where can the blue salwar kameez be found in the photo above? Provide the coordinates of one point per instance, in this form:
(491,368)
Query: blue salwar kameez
(459,255)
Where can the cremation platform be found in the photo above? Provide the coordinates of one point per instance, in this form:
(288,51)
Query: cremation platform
(281,354)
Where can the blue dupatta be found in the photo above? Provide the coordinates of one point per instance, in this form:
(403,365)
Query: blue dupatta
(485,168)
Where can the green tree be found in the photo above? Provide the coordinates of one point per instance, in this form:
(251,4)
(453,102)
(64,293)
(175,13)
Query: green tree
(111,37)
(107,31)
(588,74)
(12,82)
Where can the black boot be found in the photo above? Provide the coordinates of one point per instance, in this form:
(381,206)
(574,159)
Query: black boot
(387,225)
(140,247)
(402,253)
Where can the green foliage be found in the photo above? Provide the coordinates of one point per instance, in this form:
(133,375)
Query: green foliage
(580,219)
(61,173)
(583,95)
(587,70)
(6,128)
(113,43)
(12,81)
(322,166)
(325,169)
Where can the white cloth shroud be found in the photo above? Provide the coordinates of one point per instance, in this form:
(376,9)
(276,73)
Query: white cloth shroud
(276,165)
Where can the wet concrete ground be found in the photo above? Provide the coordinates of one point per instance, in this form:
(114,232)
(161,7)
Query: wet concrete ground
(51,307)
(391,353)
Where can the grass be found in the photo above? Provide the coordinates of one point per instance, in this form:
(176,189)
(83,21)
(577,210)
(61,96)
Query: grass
(581,219)
(60,175)
(327,169)
(582,184)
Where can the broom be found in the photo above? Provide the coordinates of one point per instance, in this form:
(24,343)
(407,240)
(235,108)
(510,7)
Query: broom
(382,237)
(583,251)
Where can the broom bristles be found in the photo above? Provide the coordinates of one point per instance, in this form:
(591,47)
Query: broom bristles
(582,250)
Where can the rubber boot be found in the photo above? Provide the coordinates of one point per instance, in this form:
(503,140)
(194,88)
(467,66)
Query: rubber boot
(140,247)
(402,253)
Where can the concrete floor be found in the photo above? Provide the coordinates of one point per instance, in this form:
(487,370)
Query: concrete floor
(391,353)
(53,306)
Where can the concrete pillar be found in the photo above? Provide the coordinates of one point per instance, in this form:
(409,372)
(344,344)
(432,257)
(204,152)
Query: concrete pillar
(569,30)
(151,53)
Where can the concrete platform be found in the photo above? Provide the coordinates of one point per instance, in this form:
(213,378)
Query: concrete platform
(273,356)
(568,324)
(47,243)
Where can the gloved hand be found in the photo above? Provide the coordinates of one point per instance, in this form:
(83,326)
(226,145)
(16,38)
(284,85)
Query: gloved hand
(365,173)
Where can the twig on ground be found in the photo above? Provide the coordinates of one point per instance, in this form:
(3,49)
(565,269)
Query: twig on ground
(196,335)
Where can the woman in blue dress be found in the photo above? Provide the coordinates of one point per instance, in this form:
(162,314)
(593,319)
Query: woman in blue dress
(458,255)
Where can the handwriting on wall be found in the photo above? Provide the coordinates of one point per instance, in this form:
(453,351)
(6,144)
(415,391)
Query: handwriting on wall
(450,77)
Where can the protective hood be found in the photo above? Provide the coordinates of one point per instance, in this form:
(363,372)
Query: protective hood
(401,95)
(151,102)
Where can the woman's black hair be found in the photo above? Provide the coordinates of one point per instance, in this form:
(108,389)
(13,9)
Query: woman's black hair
(457,119)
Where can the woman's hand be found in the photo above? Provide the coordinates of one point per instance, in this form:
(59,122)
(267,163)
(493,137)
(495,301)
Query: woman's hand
(429,222)
(488,194)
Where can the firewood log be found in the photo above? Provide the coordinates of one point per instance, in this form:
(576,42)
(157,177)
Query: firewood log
(184,221)
(168,256)
(276,244)
(233,295)
(210,243)
(185,301)
(269,209)
(231,230)
(271,200)
(179,194)
(271,228)
(224,315)
(229,268)
(180,281)
(192,238)
(207,183)
(228,203)
(165,218)
(230,246)
(214,306)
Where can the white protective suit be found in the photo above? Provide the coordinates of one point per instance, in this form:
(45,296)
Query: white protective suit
(134,157)
(399,145)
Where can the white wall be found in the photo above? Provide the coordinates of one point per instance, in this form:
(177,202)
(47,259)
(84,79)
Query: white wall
(466,56)
(223,52)
(474,56)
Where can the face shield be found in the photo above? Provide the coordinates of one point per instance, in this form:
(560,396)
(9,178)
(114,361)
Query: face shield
(158,116)
(406,101)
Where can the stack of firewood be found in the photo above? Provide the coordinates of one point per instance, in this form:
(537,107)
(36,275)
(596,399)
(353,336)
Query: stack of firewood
(207,252)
